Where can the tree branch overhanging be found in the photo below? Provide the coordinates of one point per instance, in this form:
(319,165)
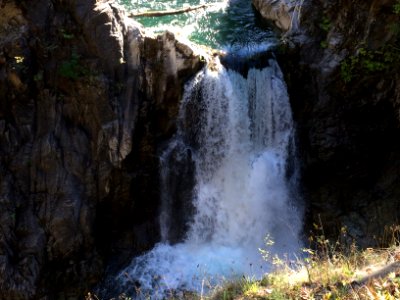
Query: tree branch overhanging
(169,12)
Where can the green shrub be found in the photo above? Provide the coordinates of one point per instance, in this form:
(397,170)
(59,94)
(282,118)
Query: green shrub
(325,24)
(72,68)
(368,62)
(396,7)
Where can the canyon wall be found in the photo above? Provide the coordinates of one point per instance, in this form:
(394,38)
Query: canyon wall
(86,101)
(341,60)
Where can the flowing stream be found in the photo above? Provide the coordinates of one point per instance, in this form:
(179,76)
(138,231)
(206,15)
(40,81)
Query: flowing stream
(226,24)
(237,131)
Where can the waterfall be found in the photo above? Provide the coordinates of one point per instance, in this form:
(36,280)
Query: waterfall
(236,132)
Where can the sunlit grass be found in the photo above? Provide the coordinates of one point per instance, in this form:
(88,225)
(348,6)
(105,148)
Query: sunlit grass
(327,271)
(338,276)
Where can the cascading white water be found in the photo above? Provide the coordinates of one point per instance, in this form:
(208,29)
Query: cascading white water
(239,137)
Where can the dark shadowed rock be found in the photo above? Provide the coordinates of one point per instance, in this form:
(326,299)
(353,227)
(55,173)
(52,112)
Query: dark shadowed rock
(345,97)
(86,100)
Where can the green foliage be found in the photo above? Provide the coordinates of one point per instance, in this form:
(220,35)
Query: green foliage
(325,24)
(395,29)
(38,76)
(265,253)
(229,291)
(66,35)
(324,44)
(396,7)
(250,286)
(367,62)
(72,68)
(346,70)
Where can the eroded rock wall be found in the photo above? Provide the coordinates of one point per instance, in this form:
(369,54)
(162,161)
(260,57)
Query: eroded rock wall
(283,14)
(342,69)
(86,99)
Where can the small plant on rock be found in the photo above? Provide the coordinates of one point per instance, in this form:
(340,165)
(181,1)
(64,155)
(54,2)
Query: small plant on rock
(72,68)
(396,7)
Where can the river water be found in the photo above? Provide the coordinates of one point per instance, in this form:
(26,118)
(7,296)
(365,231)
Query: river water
(226,25)
(238,131)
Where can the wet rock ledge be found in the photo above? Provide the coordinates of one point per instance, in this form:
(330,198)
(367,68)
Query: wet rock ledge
(86,101)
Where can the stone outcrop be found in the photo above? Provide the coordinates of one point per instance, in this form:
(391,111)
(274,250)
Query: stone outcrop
(86,100)
(342,69)
(284,14)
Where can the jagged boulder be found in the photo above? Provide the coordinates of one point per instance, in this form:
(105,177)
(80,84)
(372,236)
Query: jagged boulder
(283,14)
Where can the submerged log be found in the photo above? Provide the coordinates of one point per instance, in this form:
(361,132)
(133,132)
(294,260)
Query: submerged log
(170,12)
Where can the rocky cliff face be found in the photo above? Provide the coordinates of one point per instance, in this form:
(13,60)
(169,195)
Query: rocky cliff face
(86,100)
(341,60)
